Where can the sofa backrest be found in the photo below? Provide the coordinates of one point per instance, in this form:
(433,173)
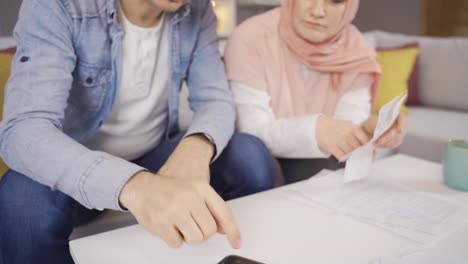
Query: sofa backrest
(443,67)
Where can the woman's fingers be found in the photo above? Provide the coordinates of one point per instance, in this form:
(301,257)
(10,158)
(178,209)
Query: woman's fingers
(353,143)
(391,139)
(395,142)
(338,153)
(362,136)
(401,123)
(387,136)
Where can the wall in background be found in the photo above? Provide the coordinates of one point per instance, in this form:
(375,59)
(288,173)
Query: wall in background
(403,16)
(446,18)
(244,12)
(8,15)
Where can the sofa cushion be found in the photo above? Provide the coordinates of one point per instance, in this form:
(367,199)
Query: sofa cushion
(397,67)
(428,129)
(413,98)
(442,63)
(5,68)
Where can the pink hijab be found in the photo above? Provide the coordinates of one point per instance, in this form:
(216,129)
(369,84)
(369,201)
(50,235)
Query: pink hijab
(266,53)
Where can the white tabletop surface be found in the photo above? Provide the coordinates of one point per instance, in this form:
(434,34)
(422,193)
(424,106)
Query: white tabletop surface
(277,229)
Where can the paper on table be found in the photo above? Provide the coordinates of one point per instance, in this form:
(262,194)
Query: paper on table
(421,258)
(359,162)
(420,217)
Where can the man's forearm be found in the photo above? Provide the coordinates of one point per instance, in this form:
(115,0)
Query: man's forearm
(200,145)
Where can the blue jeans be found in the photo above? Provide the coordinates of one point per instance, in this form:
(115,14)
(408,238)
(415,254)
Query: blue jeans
(35,222)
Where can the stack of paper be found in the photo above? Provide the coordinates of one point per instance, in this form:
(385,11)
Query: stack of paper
(420,217)
(421,258)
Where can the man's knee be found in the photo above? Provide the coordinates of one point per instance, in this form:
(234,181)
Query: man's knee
(253,161)
(32,215)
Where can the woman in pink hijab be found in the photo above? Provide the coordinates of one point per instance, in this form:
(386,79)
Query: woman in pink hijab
(304,80)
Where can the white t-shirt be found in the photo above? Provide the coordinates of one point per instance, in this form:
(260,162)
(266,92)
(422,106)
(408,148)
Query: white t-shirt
(138,119)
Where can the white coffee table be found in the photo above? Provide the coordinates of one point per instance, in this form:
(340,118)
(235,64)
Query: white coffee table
(277,229)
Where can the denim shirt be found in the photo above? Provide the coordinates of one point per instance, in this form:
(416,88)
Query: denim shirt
(63,85)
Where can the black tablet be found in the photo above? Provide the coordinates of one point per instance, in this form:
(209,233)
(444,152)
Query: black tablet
(233,259)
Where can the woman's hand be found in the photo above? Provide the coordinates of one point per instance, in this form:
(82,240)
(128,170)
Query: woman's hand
(340,137)
(394,135)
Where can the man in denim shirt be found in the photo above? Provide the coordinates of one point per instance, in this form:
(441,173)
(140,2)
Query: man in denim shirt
(91,122)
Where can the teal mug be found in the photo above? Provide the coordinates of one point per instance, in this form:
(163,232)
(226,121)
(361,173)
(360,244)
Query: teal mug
(456,164)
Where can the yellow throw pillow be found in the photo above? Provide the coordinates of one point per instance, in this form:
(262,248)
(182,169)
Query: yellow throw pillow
(5,69)
(397,65)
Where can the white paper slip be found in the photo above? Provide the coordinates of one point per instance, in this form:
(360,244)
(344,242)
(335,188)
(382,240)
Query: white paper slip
(387,115)
(414,215)
(359,162)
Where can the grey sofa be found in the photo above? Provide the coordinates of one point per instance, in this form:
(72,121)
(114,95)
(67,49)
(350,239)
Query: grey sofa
(443,93)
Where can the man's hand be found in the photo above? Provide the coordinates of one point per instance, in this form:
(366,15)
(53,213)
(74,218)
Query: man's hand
(178,210)
(190,160)
(394,135)
(339,137)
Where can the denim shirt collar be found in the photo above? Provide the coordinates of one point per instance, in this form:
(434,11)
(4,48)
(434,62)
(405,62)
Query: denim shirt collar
(175,17)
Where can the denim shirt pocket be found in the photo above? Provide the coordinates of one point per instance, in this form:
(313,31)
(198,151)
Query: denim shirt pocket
(90,85)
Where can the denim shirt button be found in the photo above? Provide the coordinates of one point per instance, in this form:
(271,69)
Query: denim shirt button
(24,59)
(89,80)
